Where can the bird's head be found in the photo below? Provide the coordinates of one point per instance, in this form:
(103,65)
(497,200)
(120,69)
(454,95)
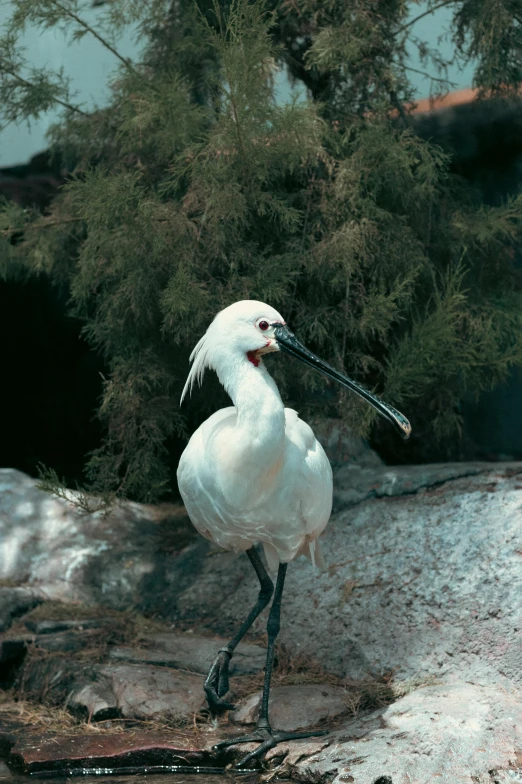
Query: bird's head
(240,333)
(248,329)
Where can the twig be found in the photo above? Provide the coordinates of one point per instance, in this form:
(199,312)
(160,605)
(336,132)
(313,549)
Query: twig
(424,13)
(42,225)
(25,82)
(398,107)
(425,73)
(235,114)
(307,213)
(92,31)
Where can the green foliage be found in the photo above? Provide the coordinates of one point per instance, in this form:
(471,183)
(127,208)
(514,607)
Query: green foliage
(491,33)
(196,188)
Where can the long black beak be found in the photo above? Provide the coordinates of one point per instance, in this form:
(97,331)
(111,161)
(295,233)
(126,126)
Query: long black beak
(288,343)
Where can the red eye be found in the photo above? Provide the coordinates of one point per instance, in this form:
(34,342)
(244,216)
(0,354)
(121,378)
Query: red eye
(263,325)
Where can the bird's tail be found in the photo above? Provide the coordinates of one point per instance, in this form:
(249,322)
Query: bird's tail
(315,554)
(310,548)
(272,558)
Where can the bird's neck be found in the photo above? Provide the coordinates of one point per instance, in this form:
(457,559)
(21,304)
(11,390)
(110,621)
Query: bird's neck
(260,410)
(253,452)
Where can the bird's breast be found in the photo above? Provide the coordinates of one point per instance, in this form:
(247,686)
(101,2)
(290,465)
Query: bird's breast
(240,490)
(247,469)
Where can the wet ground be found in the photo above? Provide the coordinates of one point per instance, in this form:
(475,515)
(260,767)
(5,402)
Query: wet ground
(177,756)
(8,776)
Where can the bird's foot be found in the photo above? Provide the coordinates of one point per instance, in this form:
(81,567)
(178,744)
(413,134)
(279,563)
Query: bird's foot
(267,739)
(216,682)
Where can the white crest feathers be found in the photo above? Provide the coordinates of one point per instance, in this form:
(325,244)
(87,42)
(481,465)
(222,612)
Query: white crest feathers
(200,358)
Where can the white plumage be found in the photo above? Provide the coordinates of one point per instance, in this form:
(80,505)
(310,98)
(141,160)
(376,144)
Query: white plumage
(254,472)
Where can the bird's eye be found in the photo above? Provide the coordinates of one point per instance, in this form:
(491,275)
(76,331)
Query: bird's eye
(263,325)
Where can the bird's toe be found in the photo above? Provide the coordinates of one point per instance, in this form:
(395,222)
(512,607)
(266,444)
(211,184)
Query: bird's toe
(268,744)
(268,739)
(217,684)
(216,703)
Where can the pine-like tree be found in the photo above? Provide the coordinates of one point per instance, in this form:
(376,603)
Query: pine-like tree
(196,187)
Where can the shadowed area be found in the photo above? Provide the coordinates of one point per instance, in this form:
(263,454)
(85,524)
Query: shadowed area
(52,382)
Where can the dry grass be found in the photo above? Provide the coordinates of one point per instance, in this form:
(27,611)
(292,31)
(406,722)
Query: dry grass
(37,711)
(118,628)
(25,713)
(7,582)
(65,611)
(361,695)
(47,713)
(45,708)
(25,716)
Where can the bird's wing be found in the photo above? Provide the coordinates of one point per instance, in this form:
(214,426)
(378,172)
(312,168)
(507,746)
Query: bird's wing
(195,483)
(313,475)
(302,503)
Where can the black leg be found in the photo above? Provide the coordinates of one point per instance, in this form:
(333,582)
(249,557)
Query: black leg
(272,628)
(263,732)
(216,682)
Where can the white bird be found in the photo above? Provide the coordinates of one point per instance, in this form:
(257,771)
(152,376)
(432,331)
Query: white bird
(255,473)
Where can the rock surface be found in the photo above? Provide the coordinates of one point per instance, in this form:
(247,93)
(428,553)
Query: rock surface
(103,691)
(15,601)
(424,580)
(94,701)
(67,641)
(31,754)
(67,624)
(454,734)
(145,692)
(360,482)
(192,652)
(426,584)
(14,646)
(295,707)
(62,553)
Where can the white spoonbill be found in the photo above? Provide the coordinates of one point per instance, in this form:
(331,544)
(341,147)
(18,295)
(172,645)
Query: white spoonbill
(255,473)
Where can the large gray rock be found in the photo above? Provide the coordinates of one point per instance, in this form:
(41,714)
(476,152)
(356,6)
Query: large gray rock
(146,692)
(295,707)
(65,554)
(453,734)
(426,584)
(101,691)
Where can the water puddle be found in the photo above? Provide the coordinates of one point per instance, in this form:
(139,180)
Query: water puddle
(157,774)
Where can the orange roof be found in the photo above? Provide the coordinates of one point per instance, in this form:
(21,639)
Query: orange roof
(456,98)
